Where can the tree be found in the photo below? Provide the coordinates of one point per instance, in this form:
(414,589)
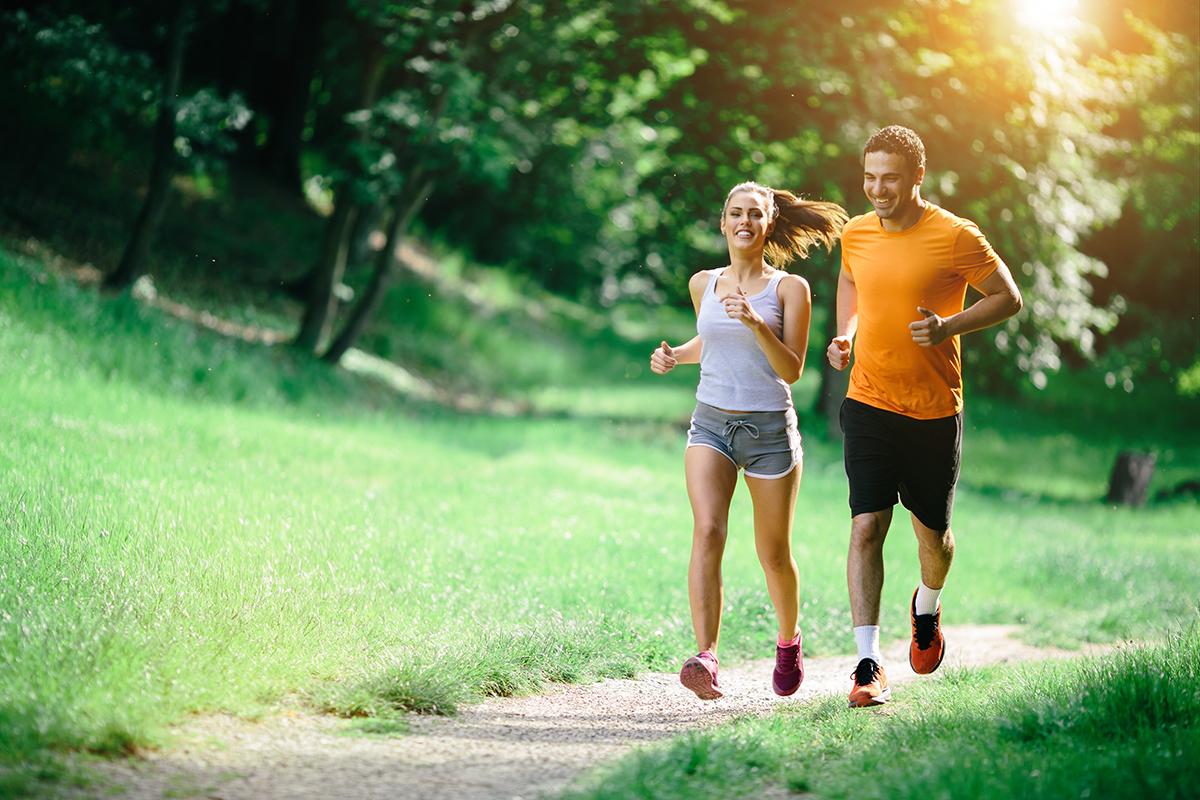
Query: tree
(330,265)
(162,167)
(286,96)
(476,95)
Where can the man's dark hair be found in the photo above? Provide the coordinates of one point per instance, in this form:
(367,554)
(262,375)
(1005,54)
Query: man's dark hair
(900,140)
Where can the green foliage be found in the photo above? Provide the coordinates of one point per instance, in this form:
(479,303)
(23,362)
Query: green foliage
(206,120)
(1151,250)
(53,67)
(165,356)
(1189,381)
(588,144)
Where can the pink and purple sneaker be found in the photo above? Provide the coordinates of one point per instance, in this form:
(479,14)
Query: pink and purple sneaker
(789,668)
(699,674)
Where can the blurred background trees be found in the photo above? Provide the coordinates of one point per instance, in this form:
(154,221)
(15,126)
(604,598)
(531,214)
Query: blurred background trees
(588,145)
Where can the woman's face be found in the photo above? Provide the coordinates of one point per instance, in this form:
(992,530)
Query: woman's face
(747,222)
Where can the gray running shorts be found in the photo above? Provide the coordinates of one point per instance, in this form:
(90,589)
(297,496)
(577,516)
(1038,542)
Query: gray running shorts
(766,444)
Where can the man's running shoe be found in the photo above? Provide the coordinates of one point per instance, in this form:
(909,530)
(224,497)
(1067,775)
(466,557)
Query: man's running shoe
(789,669)
(699,674)
(928,646)
(870,685)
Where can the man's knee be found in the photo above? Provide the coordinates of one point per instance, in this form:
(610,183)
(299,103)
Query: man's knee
(933,536)
(867,531)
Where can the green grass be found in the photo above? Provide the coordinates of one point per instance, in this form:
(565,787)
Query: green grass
(195,524)
(1122,725)
(1061,448)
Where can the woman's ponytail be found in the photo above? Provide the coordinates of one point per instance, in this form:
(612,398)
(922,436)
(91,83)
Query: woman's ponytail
(801,224)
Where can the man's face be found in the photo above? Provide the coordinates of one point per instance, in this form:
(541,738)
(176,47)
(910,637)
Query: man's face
(890,184)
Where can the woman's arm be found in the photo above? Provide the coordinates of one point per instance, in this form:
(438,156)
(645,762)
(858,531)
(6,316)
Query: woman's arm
(785,356)
(664,358)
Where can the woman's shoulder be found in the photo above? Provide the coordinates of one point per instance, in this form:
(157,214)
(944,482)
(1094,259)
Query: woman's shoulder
(701,278)
(793,285)
(698,283)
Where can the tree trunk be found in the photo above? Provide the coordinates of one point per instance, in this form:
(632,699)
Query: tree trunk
(1130,481)
(292,71)
(370,219)
(137,250)
(320,280)
(318,284)
(406,207)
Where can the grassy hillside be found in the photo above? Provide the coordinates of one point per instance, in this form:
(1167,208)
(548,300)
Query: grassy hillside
(197,523)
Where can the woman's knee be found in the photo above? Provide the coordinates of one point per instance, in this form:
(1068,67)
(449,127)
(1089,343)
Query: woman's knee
(777,560)
(709,533)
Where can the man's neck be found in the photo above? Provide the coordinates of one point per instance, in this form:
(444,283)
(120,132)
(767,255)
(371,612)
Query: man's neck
(911,217)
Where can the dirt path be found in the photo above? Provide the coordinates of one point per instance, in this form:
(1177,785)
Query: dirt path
(502,749)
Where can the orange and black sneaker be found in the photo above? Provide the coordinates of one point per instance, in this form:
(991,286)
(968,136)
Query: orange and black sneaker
(870,685)
(928,646)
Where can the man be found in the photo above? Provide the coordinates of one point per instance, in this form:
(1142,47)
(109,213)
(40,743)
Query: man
(905,269)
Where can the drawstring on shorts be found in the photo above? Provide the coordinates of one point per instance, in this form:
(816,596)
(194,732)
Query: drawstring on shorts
(732,426)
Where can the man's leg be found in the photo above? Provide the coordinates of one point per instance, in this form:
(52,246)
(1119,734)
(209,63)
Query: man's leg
(872,467)
(935,549)
(864,576)
(864,566)
(931,473)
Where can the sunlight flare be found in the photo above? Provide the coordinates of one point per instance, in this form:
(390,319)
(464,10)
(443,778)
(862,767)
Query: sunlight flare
(1047,15)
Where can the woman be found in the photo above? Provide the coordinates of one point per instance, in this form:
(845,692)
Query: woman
(752,324)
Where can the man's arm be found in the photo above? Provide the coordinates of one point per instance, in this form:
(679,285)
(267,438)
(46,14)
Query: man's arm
(838,352)
(1001,299)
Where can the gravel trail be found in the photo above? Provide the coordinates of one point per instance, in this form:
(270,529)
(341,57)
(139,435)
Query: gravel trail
(502,749)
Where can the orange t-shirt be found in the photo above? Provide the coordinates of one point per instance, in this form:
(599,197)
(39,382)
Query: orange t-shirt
(928,265)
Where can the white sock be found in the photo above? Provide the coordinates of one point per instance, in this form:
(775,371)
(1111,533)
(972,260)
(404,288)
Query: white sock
(867,639)
(927,599)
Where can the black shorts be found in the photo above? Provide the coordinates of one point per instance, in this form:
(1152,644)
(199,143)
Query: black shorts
(889,454)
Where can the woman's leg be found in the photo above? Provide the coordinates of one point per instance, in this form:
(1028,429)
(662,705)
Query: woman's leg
(711,479)
(774,505)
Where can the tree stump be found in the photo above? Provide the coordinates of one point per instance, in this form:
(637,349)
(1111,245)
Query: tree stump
(1130,481)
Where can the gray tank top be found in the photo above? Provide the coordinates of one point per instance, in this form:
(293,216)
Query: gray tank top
(734,371)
